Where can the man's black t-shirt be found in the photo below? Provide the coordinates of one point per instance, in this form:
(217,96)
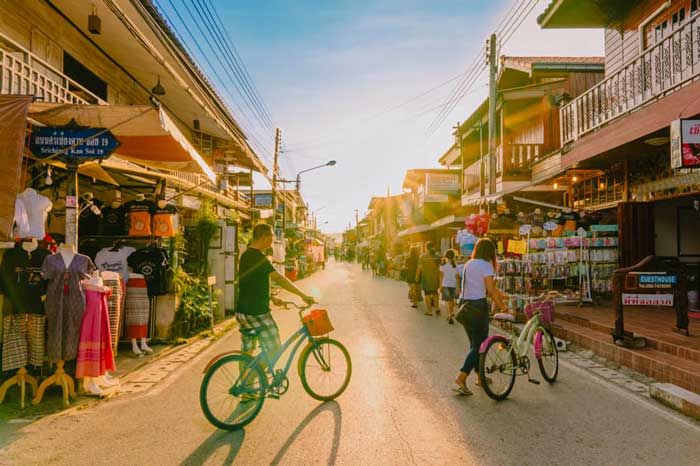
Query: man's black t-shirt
(254,279)
(113,221)
(152,263)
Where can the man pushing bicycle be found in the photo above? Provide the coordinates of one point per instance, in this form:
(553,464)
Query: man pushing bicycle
(253,306)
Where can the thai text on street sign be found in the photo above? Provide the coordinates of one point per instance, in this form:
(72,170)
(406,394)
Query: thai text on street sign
(45,142)
(630,299)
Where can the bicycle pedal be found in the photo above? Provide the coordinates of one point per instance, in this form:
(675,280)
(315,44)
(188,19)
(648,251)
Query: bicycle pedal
(536,382)
(274,396)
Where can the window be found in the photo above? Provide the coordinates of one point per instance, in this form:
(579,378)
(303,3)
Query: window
(83,76)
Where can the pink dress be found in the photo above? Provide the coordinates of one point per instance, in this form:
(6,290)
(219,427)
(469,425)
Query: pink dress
(95,355)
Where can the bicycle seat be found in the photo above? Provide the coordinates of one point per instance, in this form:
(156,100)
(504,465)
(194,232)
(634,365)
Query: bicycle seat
(504,316)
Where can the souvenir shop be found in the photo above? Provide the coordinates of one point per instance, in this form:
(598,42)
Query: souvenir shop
(544,246)
(91,255)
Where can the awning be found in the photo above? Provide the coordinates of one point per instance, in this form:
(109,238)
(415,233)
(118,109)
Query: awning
(680,104)
(147,134)
(90,170)
(449,220)
(414,230)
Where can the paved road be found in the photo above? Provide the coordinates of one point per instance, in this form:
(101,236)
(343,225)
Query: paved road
(397,410)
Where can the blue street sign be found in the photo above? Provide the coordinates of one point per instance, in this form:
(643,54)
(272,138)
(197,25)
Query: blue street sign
(47,141)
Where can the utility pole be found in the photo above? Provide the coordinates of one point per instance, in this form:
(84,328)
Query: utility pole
(493,69)
(275,175)
(462,177)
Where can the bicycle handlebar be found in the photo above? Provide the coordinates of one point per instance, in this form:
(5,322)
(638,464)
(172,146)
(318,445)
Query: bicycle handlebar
(301,308)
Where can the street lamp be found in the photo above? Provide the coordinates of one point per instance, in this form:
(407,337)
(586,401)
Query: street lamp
(298,178)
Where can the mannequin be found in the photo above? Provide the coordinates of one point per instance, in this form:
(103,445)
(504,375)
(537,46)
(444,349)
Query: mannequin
(23,314)
(37,208)
(95,356)
(64,306)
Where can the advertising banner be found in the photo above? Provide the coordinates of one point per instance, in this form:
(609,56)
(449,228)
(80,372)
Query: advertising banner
(263,200)
(685,143)
(441,184)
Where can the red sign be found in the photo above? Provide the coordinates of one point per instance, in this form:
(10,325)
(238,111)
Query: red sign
(685,144)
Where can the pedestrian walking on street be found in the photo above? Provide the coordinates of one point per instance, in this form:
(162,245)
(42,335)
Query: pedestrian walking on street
(428,274)
(253,306)
(449,280)
(477,284)
(411,276)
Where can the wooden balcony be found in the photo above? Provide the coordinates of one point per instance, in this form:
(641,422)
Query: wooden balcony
(23,73)
(656,72)
(472,178)
(513,161)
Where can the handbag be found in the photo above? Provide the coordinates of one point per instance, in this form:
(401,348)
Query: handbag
(461,316)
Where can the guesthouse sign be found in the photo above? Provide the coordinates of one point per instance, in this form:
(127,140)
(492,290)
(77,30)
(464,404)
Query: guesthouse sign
(685,143)
(649,289)
(78,145)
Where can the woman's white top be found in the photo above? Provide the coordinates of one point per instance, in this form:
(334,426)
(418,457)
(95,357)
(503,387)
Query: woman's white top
(473,284)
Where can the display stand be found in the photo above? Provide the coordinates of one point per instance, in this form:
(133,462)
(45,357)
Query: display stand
(22,378)
(61,379)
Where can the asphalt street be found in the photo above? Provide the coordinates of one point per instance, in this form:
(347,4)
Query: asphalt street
(397,410)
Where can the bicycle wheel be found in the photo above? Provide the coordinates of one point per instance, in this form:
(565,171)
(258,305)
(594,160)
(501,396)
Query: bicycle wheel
(497,367)
(325,369)
(231,396)
(549,356)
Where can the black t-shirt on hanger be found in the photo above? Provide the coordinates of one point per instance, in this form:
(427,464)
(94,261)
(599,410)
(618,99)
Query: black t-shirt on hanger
(152,263)
(21,281)
(113,221)
(88,222)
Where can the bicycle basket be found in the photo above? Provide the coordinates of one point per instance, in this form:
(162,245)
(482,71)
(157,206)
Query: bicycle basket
(545,308)
(318,323)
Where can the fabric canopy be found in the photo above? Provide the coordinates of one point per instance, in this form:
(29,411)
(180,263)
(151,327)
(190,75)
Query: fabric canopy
(147,134)
(13,121)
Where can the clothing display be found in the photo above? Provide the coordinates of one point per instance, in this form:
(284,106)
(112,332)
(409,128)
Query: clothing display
(21,219)
(152,263)
(23,341)
(113,221)
(136,307)
(115,301)
(115,259)
(37,208)
(89,221)
(163,224)
(21,281)
(139,217)
(65,303)
(95,355)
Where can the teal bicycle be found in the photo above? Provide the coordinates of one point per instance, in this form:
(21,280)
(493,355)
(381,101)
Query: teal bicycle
(501,358)
(235,384)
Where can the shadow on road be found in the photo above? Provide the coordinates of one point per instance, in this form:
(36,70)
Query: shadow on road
(331,406)
(219,439)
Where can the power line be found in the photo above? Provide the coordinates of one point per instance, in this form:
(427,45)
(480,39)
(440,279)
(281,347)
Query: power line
(215,32)
(252,136)
(217,54)
(242,64)
(510,23)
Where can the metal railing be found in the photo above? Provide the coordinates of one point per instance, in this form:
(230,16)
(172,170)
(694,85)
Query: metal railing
(657,71)
(23,73)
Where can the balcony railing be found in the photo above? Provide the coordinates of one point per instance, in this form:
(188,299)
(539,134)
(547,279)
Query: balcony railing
(660,69)
(23,73)
(513,160)
(472,178)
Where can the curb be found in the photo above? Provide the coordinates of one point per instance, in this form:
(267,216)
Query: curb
(219,329)
(677,398)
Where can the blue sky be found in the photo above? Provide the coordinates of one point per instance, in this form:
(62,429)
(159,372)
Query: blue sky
(333,72)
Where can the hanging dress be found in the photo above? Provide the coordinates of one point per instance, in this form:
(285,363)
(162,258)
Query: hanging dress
(136,307)
(65,303)
(113,281)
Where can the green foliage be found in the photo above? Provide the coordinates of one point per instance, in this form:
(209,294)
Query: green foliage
(193,314)
(207,224)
